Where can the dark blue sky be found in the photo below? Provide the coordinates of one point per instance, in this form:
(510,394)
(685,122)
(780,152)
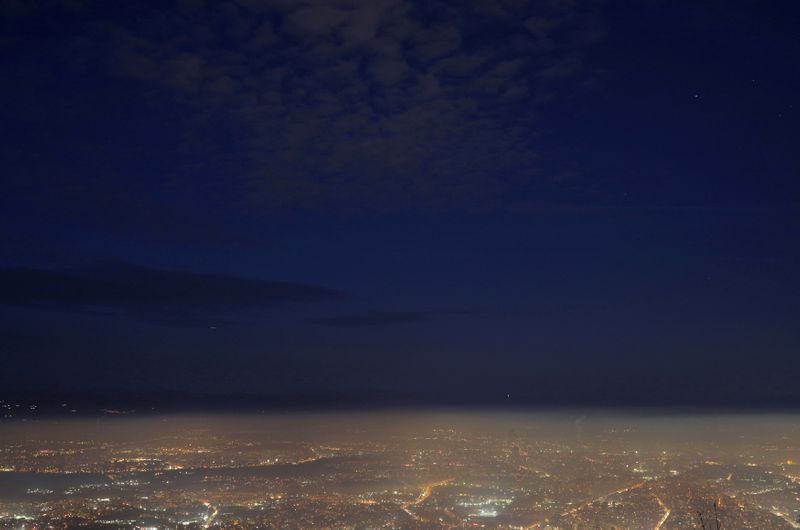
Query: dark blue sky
(562,201)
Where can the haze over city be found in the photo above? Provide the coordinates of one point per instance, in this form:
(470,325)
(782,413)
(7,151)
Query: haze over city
(403,469)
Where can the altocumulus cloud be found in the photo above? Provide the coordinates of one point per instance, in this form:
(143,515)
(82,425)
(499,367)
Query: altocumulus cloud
(163,296)
(384,103)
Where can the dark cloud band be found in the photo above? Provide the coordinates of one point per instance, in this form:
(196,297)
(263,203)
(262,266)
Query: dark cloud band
(167,296)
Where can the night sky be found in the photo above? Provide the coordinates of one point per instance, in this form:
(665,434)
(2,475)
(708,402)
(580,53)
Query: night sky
(413,200)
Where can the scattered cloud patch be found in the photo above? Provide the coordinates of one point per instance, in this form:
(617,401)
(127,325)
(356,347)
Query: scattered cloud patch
(383,103)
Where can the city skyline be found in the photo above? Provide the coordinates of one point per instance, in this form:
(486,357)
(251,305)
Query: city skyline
(430,470)
(399,264)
